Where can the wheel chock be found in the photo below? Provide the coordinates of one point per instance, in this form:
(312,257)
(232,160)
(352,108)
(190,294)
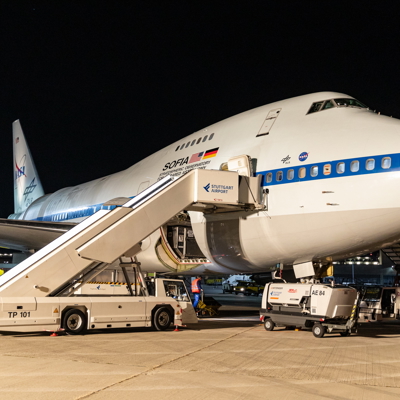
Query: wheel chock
(55,333)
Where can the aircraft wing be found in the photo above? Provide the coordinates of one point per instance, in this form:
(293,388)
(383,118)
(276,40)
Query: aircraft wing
(26,235)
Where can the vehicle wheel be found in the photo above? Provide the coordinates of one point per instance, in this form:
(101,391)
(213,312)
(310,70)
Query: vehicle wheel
(74,322)
(161,319)
(235,292)
(318,330)
(269,325)
(345,333)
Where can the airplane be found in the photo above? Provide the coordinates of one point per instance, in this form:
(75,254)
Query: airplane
(329,169)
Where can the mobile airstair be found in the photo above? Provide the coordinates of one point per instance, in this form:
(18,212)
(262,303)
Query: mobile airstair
(117,230)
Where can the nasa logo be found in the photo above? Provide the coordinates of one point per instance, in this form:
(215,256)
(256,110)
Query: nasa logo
(20,167)
(303,156)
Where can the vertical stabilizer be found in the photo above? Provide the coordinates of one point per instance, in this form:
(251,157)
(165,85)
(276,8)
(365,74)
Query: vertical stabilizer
(27,186)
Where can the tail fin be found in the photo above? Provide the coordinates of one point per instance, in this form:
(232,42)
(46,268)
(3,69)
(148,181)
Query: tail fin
(27,186)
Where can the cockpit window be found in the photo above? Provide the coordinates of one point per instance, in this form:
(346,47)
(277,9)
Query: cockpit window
(328,104)
(315,107)
(349,103)
(335,103)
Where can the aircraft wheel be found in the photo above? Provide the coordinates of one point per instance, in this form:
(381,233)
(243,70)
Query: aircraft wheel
(74,322)
(161,319)
(269,325)
(318,330)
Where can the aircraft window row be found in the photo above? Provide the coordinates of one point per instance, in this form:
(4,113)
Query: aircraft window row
(370,163)
(334,103)
(186,145)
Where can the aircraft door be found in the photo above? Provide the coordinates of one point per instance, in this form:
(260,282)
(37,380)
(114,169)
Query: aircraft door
(242,164)
(268,122)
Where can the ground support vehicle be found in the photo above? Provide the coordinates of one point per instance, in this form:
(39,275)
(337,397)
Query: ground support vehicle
(379,303)
(321,308)
(170,304)
(248,288)
(46,291)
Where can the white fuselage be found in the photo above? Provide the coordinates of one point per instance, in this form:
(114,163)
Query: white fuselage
(339,212)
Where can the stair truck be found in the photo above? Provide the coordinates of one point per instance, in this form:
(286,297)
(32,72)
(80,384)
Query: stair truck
(44,292)
(319,307)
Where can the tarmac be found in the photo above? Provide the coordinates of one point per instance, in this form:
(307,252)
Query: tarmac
(230,357)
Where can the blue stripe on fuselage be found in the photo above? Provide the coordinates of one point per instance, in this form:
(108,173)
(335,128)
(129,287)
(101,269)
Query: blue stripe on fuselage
(395,166)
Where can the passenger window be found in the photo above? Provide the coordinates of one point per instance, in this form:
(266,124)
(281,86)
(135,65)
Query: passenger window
(187,145)
(193,142)
(183,146)
(327,169)
(370,164)
(314,171)
(354,166)
(198,141)
(211,136)
(315,107)
(290,174)
(328,104)
(269,177)
(386,162)
(340,168)
(279,176)
(205,138)
(302,172)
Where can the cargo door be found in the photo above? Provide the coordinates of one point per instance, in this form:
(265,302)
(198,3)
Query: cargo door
(269,122)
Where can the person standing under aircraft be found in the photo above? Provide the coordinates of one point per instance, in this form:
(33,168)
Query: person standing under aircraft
(196,290)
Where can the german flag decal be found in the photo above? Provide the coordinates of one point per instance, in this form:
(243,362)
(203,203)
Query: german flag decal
(210,153)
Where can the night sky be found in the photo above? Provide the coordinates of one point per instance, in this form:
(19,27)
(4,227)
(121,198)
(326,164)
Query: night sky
(100,85)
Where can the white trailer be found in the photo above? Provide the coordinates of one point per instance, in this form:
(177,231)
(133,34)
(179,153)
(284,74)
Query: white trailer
(318,307)
(46,291)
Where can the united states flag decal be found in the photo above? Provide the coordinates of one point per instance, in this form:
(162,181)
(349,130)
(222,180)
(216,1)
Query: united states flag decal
(196,157)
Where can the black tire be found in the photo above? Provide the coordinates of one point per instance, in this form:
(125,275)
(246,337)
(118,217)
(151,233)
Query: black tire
(269,325)
(162,319)
(318,330)
(345,333)
(235,292)
(75,322)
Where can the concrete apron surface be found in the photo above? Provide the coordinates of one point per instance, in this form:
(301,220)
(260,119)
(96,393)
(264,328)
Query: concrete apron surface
(223,358)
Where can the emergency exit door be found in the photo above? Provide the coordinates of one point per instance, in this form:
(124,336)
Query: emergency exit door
(269,121)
